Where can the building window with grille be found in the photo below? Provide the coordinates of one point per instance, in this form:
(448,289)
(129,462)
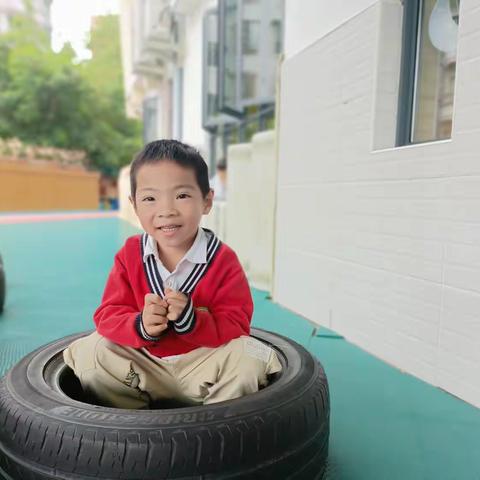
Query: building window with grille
(250,42)
(242,42)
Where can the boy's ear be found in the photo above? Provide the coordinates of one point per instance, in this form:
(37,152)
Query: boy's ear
(208,202)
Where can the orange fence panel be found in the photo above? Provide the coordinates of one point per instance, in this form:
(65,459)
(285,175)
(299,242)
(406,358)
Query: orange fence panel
(27,187)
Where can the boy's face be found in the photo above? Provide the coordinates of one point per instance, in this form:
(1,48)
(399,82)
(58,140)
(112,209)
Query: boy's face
(170,204)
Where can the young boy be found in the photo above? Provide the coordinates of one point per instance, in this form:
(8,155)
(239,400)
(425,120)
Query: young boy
(175,315)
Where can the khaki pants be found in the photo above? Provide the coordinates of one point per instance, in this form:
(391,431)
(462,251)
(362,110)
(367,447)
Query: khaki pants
(126,377)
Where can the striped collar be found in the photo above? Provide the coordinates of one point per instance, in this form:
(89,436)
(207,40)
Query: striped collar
(197,253)
(154,278)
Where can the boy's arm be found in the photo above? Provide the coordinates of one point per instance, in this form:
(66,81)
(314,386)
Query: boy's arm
(227,317)
(117,316)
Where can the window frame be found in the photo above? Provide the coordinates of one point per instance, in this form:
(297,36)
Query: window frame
(409,66)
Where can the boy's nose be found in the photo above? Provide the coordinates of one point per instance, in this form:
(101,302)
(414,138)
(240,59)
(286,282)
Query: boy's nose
(165,214)
(166,208)
(166,211)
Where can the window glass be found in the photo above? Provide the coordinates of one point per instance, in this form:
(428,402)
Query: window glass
(251,50)
(230,52)
(211,63)
(150,119)
(211,115)
(249,85)
(250,37)
(261,45)
(276,34)
(435,70)
(251,40)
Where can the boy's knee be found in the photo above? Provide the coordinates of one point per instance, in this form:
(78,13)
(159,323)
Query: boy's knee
(82,354)
(254,356)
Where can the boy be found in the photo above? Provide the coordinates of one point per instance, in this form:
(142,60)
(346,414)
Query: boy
(175,315)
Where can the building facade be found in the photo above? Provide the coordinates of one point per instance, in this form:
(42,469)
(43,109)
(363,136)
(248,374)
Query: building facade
(202,71)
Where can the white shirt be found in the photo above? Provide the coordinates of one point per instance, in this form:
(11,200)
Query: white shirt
(197,253)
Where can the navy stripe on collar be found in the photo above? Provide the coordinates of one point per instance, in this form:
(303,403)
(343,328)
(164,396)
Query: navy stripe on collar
(153,275)
(212,246)
(154,278)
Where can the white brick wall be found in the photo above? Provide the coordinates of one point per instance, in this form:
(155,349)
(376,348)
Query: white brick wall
(306,20)
(382,246)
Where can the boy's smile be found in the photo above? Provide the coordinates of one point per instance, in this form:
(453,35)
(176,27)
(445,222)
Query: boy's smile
(170,205)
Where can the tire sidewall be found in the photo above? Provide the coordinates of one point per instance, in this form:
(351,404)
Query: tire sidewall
(40,392)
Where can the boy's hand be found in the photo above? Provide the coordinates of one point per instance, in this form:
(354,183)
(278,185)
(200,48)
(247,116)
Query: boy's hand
(177,301)
(154,315)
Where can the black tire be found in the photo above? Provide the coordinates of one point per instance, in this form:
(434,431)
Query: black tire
(280,432)
(2,285)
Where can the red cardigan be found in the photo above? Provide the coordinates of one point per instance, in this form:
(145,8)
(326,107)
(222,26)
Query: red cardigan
(220,304)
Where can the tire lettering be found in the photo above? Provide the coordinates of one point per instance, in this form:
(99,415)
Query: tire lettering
(72,412)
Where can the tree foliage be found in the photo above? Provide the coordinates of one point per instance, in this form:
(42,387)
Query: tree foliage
(47,99)
(104,70)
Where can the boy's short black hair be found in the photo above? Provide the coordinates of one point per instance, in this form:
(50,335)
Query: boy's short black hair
(174,151)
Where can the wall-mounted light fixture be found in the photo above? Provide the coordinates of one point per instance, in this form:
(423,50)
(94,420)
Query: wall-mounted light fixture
(442,28)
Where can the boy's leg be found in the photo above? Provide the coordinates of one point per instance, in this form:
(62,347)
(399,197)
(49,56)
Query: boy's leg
(230,371)
(118,376)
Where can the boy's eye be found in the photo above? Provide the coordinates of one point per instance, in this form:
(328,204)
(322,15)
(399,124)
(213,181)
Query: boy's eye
(183,195)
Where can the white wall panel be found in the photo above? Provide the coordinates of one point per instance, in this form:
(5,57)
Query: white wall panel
(307,20)
(380,245)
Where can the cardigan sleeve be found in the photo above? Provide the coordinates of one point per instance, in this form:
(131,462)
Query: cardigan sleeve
(117,316)
(228,315)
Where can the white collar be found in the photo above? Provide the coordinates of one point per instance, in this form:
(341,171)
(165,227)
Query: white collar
(197,253)
(207,241)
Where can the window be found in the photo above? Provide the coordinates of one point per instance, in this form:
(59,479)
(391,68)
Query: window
(250,37)
(150,109)
(177,104)
(250,42)
(242,43)
(428,70)
(211,115)
(249,85)
(229,58)
(276,36)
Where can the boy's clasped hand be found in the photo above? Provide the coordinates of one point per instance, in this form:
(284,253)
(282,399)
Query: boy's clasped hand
(158,311)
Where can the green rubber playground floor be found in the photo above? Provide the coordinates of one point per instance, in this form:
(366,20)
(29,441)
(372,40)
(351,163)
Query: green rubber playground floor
(385,425)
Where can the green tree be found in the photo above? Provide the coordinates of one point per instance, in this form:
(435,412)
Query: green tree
(104,70)
(46,99)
